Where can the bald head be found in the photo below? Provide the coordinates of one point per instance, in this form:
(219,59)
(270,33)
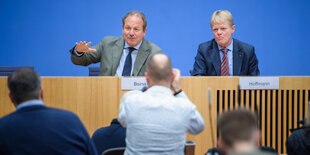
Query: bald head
(159,68)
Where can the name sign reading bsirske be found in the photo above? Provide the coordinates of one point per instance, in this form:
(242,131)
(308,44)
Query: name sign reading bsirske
(259,82)
(133,83)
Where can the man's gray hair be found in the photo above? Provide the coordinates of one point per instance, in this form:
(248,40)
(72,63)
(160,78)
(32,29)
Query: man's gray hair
(24,84)
(137,13)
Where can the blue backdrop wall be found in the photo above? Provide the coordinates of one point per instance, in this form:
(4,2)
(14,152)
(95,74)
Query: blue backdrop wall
(40,33)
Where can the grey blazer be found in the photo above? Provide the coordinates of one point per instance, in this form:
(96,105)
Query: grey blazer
(109,52)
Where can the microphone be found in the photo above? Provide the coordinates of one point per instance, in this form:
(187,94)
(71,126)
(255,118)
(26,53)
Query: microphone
(210,115)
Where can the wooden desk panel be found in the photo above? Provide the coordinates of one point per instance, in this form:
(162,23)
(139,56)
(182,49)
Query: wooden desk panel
(96,101)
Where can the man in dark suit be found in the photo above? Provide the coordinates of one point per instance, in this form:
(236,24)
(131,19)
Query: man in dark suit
(119,56)
(224,56)
(109,137)
(36,129)
(298,143)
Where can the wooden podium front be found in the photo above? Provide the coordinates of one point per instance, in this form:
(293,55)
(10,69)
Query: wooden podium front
(96,101)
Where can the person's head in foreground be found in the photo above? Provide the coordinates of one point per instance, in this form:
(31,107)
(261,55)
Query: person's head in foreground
(239,132)
(24,85)
(159,71)
(36,129)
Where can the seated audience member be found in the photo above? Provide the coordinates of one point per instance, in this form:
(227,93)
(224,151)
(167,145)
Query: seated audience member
(36,129)
(157,120)
(265,149)
(298,143)
(109,137)
(223,55)
(239,134)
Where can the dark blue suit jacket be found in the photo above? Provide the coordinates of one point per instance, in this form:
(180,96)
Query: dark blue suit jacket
(109,137)
(39,130)
(208,63)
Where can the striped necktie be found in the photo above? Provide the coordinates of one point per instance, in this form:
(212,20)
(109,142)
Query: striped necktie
(224,63)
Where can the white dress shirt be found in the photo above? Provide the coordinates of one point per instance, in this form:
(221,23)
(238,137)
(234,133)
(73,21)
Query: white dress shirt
(134,53)
(157,121)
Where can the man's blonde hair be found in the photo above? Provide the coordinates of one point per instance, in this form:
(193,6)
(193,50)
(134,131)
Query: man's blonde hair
(221,16)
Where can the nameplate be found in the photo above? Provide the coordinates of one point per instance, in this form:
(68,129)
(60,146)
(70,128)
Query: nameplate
(259,82)
(133,83)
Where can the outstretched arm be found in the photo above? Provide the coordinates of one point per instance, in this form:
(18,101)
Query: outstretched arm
(81,54)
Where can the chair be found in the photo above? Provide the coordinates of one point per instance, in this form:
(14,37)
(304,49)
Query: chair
(189,149)
(191,72)
(93,71)
(7,70)
(114,151)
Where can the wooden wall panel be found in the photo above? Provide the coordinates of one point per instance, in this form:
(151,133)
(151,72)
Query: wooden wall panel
(290,83)
(301,106)
(253,103)
(285,120)
(220,102)
(274,112)
(60,93)
(280,120)
(263,112)
(231,99)
(242,99)
(247,99)
(290,110)
(226,103)
(307,102)
(295,103)
(6,106)
(96,101)
(268,118)
(194,91)
(258,102)
(197,91)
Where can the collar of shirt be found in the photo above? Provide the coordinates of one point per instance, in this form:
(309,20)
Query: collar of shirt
(29,103)
(134,54)
(230,46)
(157,89)
(136,47)
(229,56)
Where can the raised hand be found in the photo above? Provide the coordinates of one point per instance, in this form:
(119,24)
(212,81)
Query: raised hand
(83,47)
(176,83)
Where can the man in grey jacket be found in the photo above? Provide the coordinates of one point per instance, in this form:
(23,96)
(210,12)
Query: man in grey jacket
(126,55)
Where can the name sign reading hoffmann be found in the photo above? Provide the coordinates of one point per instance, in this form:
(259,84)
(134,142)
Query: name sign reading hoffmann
(259,82)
